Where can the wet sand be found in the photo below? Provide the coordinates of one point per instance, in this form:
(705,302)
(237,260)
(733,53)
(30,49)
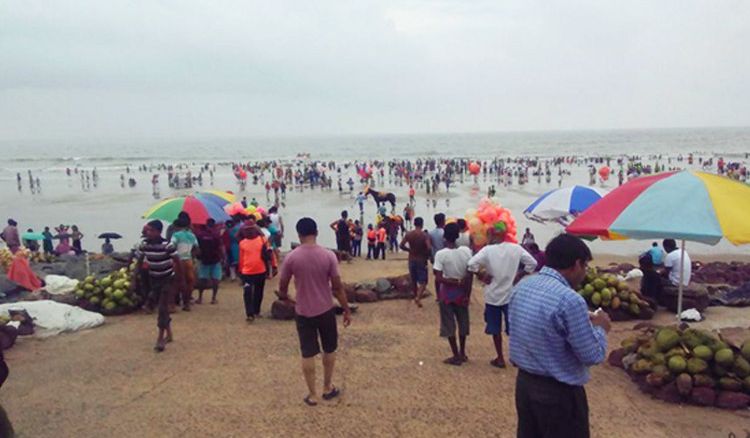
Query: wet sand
(110,207)
(223,377)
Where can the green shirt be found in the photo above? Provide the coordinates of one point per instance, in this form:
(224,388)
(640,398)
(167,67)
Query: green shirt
(184,240)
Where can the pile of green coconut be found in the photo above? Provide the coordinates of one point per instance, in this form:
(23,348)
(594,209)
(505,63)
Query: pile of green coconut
(686,365)
(606,291)
(111,294)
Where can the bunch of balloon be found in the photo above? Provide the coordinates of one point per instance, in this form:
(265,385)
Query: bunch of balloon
(234,209)
(490,215)
(604,173)
(474,169)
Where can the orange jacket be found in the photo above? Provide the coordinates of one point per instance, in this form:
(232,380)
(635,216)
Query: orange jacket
(381,235)
(251,256)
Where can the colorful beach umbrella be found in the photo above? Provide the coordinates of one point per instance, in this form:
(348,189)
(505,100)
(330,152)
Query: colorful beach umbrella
(199,210)
(217,196)
(562,204)
(685,205)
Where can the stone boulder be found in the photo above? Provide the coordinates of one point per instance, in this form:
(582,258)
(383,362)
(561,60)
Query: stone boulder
(615,358)
(75,266)
(349,290)
(703,396)
(668,393)
(691,299)
(283,310)
(394,294)
(7,287)
(365,296)
(402,283)
(382,285)
(732,400)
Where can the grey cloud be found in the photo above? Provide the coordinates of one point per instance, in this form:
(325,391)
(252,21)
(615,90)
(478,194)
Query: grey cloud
(234,68)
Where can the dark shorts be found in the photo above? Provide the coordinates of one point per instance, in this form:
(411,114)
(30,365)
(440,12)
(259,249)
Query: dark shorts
(310,328)
(418,272)
(493,316)
(452,315)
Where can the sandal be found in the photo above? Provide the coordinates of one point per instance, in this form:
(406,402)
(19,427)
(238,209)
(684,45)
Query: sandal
(453,361)
(309,402)
(331,395)
(498,364)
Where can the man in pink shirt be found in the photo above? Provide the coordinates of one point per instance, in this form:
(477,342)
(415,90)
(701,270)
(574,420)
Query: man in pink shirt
(316,279)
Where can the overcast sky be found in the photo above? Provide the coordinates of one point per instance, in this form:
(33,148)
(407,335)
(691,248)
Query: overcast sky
(224,68)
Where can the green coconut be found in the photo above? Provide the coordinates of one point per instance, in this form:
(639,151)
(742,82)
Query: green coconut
(703,352)
(741,367)
(730,384)
(596,299)
(745,351)
(667,338)
(677,364)
(696,365)
(642,366)
(724,357)
(702,380)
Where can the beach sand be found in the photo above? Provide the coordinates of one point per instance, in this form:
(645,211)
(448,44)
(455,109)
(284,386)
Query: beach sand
(224,377)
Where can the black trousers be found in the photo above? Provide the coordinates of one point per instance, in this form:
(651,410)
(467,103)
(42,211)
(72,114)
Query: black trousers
(253,292)
(548,408)
(371,251)
(380,250)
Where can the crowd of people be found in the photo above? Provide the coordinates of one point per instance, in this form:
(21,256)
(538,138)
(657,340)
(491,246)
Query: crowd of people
(166,273)
(529,293)
(70,239)
(197,256)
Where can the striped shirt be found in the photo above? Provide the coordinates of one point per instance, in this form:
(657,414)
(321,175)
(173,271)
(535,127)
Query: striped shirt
(550,330)
(159,256)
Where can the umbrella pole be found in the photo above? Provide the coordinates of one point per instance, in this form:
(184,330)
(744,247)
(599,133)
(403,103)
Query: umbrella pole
(682,276)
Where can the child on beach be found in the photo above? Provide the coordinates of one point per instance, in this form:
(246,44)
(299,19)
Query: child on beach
(371,239)
(382,235)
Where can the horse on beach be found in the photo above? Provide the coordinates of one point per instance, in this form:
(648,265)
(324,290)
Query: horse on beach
(381,197)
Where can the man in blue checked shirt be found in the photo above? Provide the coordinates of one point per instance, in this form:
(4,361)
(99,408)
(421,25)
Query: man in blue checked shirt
(554,340)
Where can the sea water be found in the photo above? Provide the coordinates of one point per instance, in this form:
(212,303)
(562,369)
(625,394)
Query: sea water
(110,207)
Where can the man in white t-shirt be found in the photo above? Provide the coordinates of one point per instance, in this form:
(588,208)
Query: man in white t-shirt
(672,264)
(453,283)
(497,266)
(463,237)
